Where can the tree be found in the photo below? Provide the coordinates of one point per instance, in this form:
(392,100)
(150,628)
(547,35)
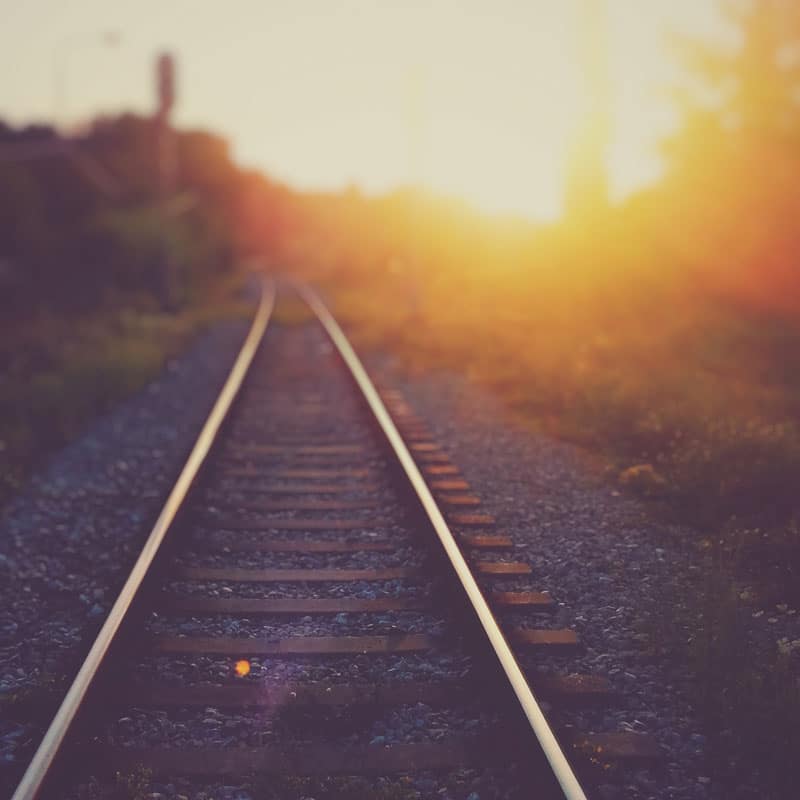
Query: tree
(742,94)
(735,162)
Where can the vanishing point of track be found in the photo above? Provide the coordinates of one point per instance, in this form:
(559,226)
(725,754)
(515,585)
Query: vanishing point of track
(320,567)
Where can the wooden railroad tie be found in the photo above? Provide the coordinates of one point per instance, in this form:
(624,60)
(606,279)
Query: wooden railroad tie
(502,568)
(512,600)
(302,505)
(222,542)
(292,524)
(239,575)
(472,520)
(197,604)
(480,541)
(449,485)
(440,469)
(310,489)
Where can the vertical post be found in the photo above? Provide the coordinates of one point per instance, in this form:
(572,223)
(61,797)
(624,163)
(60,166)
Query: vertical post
(166,170)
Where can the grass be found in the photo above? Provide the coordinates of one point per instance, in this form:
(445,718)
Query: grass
(59,372)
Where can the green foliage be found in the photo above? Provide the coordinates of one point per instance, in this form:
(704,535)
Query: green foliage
(21,212)
(90,227)
(100,277)
(58,373)
(130,247)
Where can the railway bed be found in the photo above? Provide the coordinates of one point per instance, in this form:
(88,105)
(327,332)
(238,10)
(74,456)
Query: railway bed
(324,606)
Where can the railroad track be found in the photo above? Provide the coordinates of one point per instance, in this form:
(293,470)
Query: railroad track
(322,609)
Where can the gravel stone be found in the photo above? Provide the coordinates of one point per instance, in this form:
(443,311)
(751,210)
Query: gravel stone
(320,625)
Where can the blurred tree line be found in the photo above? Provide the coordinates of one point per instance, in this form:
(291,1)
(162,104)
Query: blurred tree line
(82,223)
(103,276)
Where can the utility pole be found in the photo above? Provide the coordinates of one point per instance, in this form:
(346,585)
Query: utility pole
(166,167)
(587,174)
(165,140)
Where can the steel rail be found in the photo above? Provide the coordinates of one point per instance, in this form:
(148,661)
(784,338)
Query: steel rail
(37,771)
(558,761)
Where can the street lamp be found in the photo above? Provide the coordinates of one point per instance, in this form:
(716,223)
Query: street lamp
(61,54)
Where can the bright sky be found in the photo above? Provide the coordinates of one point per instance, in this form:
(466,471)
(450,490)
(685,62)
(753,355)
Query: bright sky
(470,97)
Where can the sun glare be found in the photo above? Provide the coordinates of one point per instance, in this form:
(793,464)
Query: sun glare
(486,107)
(478,100)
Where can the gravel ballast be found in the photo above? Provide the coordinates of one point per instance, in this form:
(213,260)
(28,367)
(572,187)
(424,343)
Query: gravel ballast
(185,670)
(211,727)
(271,628)
(364,590)
(68,541)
